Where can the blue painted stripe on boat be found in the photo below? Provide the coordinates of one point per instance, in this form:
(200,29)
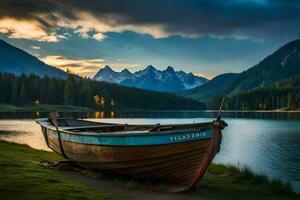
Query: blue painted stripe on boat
(134,140)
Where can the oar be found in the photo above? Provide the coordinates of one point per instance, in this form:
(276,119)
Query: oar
(220,110)
(53,119)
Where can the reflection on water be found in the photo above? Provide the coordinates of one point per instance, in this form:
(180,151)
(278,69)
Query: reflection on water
(270,147)
(159,114)
(99,114)
(268,143)
(102,114)
(32,133)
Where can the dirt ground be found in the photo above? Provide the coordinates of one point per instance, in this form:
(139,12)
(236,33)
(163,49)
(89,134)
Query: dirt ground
(117,189)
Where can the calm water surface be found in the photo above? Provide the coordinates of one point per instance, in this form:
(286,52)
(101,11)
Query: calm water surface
(267,143)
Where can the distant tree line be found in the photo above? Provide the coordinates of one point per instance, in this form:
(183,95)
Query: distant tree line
(281,95)
(31,89)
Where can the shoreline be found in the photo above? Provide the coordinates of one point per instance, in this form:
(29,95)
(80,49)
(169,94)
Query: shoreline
(220,182)
(8,108)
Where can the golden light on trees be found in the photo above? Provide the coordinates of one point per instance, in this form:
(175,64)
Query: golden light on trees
(102,101)
(97,99)
(112,114)
(36,102)
(112,102)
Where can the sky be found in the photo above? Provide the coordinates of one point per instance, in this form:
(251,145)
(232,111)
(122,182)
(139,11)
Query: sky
(205,37)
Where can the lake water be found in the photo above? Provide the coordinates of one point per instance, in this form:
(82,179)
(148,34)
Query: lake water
(266,142)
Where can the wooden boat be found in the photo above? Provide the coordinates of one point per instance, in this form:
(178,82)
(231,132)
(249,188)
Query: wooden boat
(175,155)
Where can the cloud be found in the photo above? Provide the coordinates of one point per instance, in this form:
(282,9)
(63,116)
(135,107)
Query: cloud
(24,29)
(81,66)
(201,74)
(85,23)
(99,36)
(35,47)
(85,67)
(239,19)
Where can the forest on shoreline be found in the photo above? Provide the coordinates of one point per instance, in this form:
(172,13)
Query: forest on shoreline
(30,90)
(283,95)
(76,91)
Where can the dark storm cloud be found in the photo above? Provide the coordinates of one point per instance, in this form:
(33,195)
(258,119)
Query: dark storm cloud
(254,19)
(26,9)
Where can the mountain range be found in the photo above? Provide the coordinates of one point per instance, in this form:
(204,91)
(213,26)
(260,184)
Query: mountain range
(16,61)
(284,63)
(280,66)
(277,69)
(150,78)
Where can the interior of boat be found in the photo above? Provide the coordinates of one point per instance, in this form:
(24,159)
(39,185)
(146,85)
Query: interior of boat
(78,125)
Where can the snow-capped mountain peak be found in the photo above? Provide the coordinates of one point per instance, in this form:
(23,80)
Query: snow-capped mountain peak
(150,78)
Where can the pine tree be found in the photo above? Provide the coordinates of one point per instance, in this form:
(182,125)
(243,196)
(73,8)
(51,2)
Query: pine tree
(69,92)
(23,95)
(87,95)
(14,92)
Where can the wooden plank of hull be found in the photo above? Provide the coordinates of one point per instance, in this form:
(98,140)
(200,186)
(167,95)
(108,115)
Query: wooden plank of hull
(178,165)
(128,166)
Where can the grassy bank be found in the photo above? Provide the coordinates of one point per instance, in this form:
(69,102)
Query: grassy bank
(229,182)
(42,108)
(22,177)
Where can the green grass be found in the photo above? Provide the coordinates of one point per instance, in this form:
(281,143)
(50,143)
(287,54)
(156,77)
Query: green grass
(229,182)
(220,182)
(42,108)
(22,177)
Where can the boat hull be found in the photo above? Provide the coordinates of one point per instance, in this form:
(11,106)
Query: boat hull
(178,165)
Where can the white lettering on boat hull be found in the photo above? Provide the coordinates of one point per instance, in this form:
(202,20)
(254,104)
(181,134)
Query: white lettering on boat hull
(188,136)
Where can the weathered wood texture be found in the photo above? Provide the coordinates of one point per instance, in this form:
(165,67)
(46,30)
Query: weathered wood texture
(178,165)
